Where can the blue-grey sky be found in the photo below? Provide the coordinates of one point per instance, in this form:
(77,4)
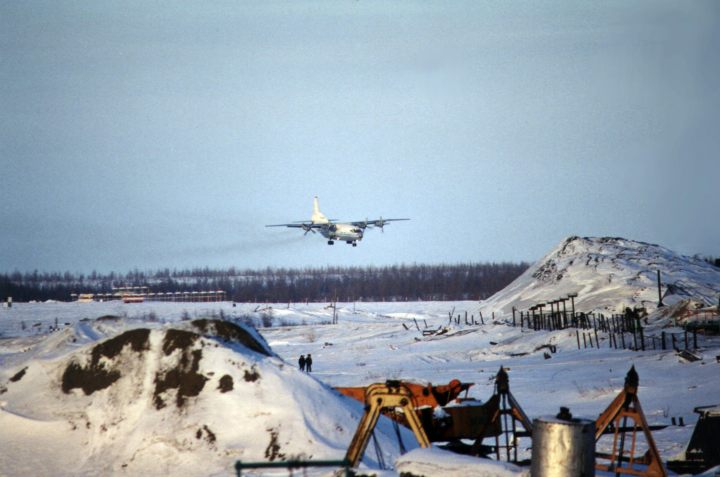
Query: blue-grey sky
(167,134)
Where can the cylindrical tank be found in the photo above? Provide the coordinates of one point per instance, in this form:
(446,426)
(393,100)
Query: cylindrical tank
(563,446)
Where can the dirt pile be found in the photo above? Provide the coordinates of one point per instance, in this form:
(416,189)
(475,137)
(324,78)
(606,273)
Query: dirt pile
(100,373)
(180,352)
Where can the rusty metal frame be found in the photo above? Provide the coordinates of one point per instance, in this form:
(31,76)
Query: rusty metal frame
(626,405)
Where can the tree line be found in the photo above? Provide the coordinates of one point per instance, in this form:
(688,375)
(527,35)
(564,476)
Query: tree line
(467,281)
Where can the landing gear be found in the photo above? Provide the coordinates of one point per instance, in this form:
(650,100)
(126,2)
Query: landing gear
(330,242)
(354,244)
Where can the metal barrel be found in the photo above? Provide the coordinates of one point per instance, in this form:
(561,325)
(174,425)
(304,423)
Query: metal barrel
(563,447)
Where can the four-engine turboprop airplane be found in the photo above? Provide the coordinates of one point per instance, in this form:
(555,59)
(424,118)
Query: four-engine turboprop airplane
(350,232)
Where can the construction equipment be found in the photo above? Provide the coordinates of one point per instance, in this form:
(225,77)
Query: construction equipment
(627,406)
(391,394)
(423,394)
(445,417)
(703,450)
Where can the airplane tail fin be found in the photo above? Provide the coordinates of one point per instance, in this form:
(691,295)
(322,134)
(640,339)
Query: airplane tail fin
(317,216)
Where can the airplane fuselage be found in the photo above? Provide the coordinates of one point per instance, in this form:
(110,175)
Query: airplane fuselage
(343,232)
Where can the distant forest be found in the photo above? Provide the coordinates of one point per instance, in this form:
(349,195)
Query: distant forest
(472,281)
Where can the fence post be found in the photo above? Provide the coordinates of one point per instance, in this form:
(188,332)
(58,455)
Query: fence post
(664,346)
(642,338)
(577,335)
(635,340)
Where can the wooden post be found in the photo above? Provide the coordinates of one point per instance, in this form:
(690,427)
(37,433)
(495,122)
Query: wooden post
(642,336)
(659,283)
(664,346)
(577,335)
(584,341)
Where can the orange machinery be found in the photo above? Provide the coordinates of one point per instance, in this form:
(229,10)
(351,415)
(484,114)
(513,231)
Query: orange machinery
(458,418)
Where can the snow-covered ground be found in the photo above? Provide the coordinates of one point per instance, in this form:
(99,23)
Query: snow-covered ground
(119,430)
(183,395)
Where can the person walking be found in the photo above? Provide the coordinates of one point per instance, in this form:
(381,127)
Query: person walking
(308,363)
(302,362)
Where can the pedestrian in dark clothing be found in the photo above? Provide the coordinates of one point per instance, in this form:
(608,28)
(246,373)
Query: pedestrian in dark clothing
(302,362)
(308,363)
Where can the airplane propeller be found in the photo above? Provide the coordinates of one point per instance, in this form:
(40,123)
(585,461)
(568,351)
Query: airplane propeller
(307,228)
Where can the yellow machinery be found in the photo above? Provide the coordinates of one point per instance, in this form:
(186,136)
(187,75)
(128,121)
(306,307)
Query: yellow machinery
(391,394)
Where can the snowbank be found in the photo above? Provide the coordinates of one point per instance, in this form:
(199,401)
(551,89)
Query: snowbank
(433,462)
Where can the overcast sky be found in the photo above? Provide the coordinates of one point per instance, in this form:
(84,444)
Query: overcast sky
(167,134)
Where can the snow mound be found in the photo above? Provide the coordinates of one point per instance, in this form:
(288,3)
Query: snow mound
(609,274)
(189,398)
(434,461)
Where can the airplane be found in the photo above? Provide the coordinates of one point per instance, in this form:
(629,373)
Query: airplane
(349,232)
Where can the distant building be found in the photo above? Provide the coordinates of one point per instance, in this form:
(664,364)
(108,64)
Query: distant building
(85,297)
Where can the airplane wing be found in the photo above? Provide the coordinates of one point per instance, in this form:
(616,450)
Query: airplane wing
(374,223)
(306,226)
(299,225)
